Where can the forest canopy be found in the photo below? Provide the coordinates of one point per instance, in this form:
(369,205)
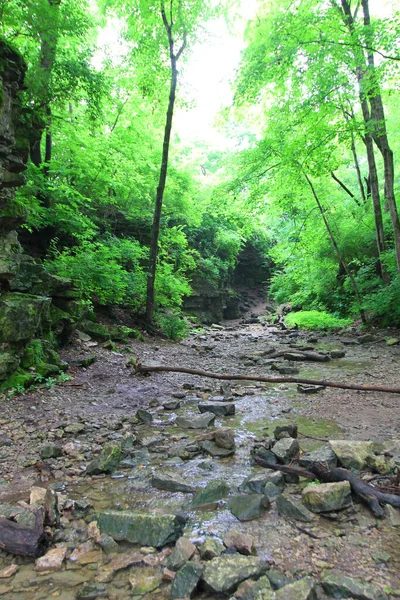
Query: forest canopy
(308,179)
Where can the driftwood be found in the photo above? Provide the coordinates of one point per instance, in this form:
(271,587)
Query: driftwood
(139,368)
(366,492)
(23,541)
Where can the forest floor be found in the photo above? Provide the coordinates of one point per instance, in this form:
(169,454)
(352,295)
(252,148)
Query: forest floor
(99,405)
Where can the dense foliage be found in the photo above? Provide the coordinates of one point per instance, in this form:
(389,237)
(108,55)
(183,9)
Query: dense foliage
(315,105)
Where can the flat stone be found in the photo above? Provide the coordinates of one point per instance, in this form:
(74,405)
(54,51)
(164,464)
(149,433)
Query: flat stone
(221,409)
(183,551)
(290,508)
(324,455)
(339,585)
(86,554)
(196,422)
(171,482)
(52,560)
(119,563)
(327,497)
(248,506)
(141,528)
(216,451)
(304,589)
(214,491)
(352,454)
(144,580)
(242,542)
(186,580)
(286,449)
(8,571)
(91,591)
(225,573)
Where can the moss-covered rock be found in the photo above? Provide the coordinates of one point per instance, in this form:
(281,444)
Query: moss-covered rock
(21,316)
(141,528)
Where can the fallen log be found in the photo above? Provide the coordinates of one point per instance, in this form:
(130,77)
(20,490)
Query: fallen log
(24,541)
(144,369)
(373,497)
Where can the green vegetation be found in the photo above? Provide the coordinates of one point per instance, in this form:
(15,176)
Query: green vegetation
(310,185)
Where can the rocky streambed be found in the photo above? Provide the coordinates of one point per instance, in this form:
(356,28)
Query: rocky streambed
(155,481)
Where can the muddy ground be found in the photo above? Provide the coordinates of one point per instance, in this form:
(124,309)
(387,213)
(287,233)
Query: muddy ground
(104,398)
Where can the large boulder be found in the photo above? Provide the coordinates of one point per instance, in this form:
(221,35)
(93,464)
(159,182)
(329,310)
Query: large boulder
(339,585)
(225,573)
(327,496)
(141,528)
(352,454)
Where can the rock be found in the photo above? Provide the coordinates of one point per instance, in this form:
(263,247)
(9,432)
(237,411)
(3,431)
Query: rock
(171,482)
(221,409)
(50,451)
(261,589)
(290,508)
(91,591)
(248,506)
(271,491)
(107,461)
(290,428)
(72,449)
(327,497)
(337,353)
(141,528)
(210,548)
(277,579)
(242,542)
(86,553)
(225,573)
(144,580)
(352,455)
(366,338)
(49,500)
(286,449)
(195,422)
(9,571)
(108,545)
(224,438)
(392,341)
(216,451)
(183,551)
(339,585)
(144,416)
(324,454)
(52,560)
(265,454)
(186,580)
(226,390)
(119,563)
(75,428)
(171,404)
(393,515)
(284,369)
(310,389)
(256,481)
(214,491)
(304,589)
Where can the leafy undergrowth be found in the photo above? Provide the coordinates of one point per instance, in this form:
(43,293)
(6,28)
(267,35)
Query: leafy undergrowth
(314,319)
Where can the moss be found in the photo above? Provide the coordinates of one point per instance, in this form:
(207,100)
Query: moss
(19,380)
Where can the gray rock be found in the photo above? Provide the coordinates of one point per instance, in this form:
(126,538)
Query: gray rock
(300,590)
(248,506)
(186,580)
(225,573)
(339,585)
(290,428)
(265,454)
(141,528)
(224,438)
(216,451)
(171,404)
(107,461)
(351,454)
(196,422)
(325,455)
(271,491)
(221,409)
(144,416)
(214,491)
(171,482)
(290,508)
(255,482)
(286,449)
(75,428)
(183,551)
(50,451)
(327,497)
(284,369)
(277,579)
(211,548)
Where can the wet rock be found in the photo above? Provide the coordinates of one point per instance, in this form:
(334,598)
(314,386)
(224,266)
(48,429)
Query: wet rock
(91,591)
(196,422)
(277,579)
(107,461)
(327,497)
(52,560)
(214,491)
(242,542)
(216,451)
(141,528)
(286,449)
(339,585)
(210,548)
(50,451)
(271,491)
(8,571)
(171,482)
(123,561)
(220,409)
(290,508)
(225,573)
(324,455)
(144,416)
(86,553)
(300,590)
(248,506)
(75,428)
(144,580)
(352,454)
(184,450)
(183,551)
(186,580)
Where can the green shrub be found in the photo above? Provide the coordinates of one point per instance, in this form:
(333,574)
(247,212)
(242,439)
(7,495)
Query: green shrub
(314,319)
